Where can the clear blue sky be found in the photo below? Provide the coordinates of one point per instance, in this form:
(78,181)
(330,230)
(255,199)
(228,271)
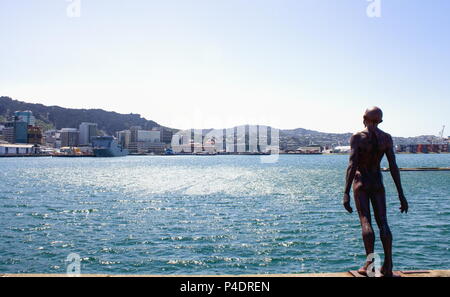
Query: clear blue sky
(314,64)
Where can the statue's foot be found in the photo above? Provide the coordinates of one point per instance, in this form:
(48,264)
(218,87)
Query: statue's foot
(363,270)
(386,271)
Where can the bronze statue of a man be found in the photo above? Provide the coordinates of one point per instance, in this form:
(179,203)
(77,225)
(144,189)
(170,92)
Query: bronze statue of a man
(367,149)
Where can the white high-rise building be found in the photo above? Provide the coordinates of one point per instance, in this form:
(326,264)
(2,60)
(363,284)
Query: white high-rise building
(87,131)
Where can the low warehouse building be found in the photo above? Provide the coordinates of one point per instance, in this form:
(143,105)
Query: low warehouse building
(18,149)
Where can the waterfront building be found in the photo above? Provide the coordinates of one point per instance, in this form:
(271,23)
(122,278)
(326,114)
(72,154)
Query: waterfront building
(229,140)
(213,141)
(20,132)
(263,136)
(51,137)
(1,131)
(241,140)
(152,136)
(181,142)
(166,135)
(401,148)
(134,133)
(142,147)
(18,149)
(26,117)
(124,138)
(342,149)
(309,150)
(424,148)
(34,135)
(142,141)
(17,131)
(69,137)
(224,141)
(87,132)
(209,146)
(8,133)
(412,148)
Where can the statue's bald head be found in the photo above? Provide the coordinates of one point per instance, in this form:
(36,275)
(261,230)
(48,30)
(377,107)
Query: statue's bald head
(373,115)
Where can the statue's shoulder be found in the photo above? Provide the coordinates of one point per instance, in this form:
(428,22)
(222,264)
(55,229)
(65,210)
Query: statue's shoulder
(356,137)
(385,135)
(386,138)
(359,135)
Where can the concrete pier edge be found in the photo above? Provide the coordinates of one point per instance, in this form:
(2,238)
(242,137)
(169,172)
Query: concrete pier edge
(416,273)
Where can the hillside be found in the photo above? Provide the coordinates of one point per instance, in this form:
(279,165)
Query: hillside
(49,117)
(57,117)
(292,139)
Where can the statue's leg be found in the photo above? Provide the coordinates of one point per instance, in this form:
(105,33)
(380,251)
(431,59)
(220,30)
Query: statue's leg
(362,203)
(379,210)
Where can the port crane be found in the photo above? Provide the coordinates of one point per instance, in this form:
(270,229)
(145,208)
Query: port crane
(441,134)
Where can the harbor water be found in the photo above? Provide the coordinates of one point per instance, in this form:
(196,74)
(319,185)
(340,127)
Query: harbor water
(209,215)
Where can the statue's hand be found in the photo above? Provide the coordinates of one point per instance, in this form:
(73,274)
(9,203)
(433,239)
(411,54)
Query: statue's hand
(403,204)
(346,203)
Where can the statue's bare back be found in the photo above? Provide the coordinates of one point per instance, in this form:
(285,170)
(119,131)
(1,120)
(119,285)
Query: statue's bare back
(367,149)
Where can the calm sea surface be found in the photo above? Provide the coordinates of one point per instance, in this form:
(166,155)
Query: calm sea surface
(214,215)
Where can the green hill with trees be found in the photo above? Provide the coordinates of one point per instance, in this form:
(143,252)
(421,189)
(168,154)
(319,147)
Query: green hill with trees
(55,117)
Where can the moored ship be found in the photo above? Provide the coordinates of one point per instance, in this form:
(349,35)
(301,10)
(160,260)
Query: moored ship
(107,146)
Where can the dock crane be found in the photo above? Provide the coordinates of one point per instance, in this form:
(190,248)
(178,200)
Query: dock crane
(441,133)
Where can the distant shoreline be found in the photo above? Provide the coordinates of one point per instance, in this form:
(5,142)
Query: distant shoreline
(202,155)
